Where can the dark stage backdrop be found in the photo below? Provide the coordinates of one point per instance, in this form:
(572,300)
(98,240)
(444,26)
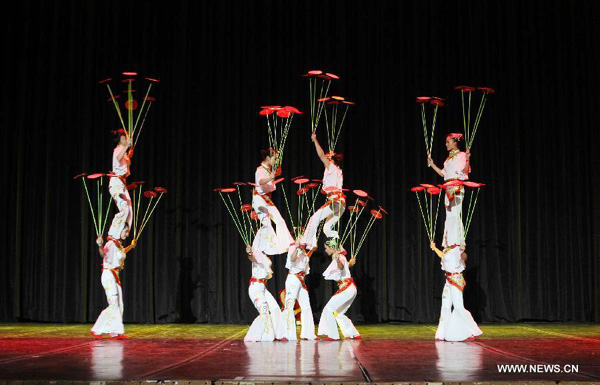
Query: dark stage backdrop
(533,247)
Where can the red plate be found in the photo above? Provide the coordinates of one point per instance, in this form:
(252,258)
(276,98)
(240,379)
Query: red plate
(382,209)
(317,180)
(80,175)
(323,99)
(348,102)
(284,114)
(150,194)
(270,107)
(266,112)
(472,184)
(130,73)
(437,98)
(253,215)
(150,99)
(103,81)
(246,207)
(153,80)
(160,190)
(252,184)
(427,185)
(434,190)
(131,106)
(127,80)
(131,186)
(333,76)
(315,72)
(301,191)
(228,190)
(423,99)
(113,98)
(361,203)
(312,185)
(330,188)
(96,175)
(337,98)
(417,189)
(239,183)
(465,88)
(140,182)
(437,102)
(354,209)
(293,109)
(360,193)
(324,77)
(487,90)
(278,180)
(333,102)
(301,180)
(376,214)
(453,183)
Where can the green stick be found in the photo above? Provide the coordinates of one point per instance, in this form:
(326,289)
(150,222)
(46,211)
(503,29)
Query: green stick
(91,207)
(112,97)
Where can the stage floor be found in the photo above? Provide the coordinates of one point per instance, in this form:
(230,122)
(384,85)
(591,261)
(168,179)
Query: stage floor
(387,353)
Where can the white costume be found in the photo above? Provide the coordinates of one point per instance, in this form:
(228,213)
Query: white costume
(455,324)
(118,186)
(333,180)
(265,325)
(267,240)
(454,232)
(334,313)
(110,320)
(295,289)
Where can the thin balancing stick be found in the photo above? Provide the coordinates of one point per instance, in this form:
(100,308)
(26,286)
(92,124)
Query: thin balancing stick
(341,125)
(112,97)
(142,124)
(130,109)
(353,227)
(151,212)
(433,128)
(133,213)
(288,206)
(247,231)
(100,204)
(462,103)
(234,222)
(423,215)
(469,116)
(137,215)
(145,215)
(349,225)
(91,207)
(142,108)
(237,218)
(425,135)
(327,129)
(470,217)
(106,215)
(478,119)
(437,211)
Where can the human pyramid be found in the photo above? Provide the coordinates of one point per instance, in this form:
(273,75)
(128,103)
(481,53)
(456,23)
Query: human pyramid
(255,221)
(127,219)
(456,323)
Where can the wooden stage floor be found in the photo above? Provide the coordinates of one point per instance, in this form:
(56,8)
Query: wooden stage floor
(218,354)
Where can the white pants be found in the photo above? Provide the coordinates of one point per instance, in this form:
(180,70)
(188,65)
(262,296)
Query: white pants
(331,214)
(455,324)
(118,191)
(338,304)
(454,231)
(295,291)
(265,325)
(110,320)
(268,240)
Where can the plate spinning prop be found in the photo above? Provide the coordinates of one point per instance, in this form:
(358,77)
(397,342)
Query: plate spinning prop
(318,83)
(473,188)
(133,127)
(243,216)
(471,129)
(305,206)
(279,121)
(152,196)
(96,202)
(436,102)
(334,120)
(431,211)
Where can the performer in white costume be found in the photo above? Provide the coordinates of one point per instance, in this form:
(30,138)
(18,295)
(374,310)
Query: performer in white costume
(265,326)
(455,324)
(121,161)
(334,313)
(113,254)
(268,240)
(456,167)
(298,260)
(333,180)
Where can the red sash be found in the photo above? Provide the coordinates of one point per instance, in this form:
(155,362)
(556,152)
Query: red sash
(457,280)
(257,280)
(335,196)
(344,284)
(301,276)
(266,197)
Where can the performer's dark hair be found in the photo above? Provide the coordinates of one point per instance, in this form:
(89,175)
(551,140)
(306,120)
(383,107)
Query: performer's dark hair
(459,144)
(117,134)
(337,159)
(267,152)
